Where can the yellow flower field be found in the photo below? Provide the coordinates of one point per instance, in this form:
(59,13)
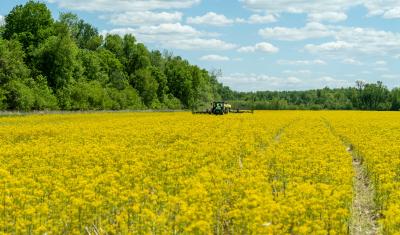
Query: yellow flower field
(272,172)
(376,138)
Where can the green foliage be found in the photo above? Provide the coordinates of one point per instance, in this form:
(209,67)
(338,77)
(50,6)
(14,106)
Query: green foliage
(19,96)
(146,84)
(44,97)
(56,59)
(125,99)
(89,95)
(3,99)
(12,66)
(30,23)
(171,102)
(395,99)
(85,35)
(364,97)
(162,82)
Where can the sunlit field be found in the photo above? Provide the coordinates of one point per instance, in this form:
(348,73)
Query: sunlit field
(271,172)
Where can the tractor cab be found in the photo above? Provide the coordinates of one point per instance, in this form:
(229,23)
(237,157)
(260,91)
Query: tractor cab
(220,108)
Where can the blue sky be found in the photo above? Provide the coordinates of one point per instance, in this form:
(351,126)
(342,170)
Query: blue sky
(260,44)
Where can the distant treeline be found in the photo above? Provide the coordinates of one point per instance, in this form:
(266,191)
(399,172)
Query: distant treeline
(364,96)
(65,64)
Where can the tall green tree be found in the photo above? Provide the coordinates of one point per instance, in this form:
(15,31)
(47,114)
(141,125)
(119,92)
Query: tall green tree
(56,59)
(30,24)
(85,35)
(395,98)
(144,82)
(12,66)
(136,56)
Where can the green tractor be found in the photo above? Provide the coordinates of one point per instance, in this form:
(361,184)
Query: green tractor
(221,108)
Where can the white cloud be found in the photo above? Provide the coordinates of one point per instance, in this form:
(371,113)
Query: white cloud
(392,13)
(329,47)
(261,19)
(152,33)
(327,16)
(211,18)
(200,44)
(333,82)
(214,58)
(123,5)
(311,30)
(258,82)
(381,69)
(262,82)
(380,63)
(301,62)
(352,39)
(352,61)
(298,72)
(143,18)
(385,8)
(175,36)
(1,20)
(260,47)
(299,6)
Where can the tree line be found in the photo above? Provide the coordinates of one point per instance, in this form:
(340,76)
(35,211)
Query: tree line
(66,64)
(364,96)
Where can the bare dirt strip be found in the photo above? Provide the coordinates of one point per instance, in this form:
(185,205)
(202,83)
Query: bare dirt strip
(363,211)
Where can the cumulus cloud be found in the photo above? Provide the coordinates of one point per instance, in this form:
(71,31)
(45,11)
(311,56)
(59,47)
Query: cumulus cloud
(214,58)
(392,13)
(301,62)
(257,82)
(344,39)
(262,82)
(385,8)
(211,18)
(352,39)
(331,82)
(329,46)
(298,72)
(381,63)
(123,5)
(200,44)
(299,6)
(311,30)
(327,16)
(260,47)
(261,19)
(175,36)
(143,18)
(352,61)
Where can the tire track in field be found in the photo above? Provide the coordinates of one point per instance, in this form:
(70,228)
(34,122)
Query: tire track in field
(262,146)
(279,133)
(363,212)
